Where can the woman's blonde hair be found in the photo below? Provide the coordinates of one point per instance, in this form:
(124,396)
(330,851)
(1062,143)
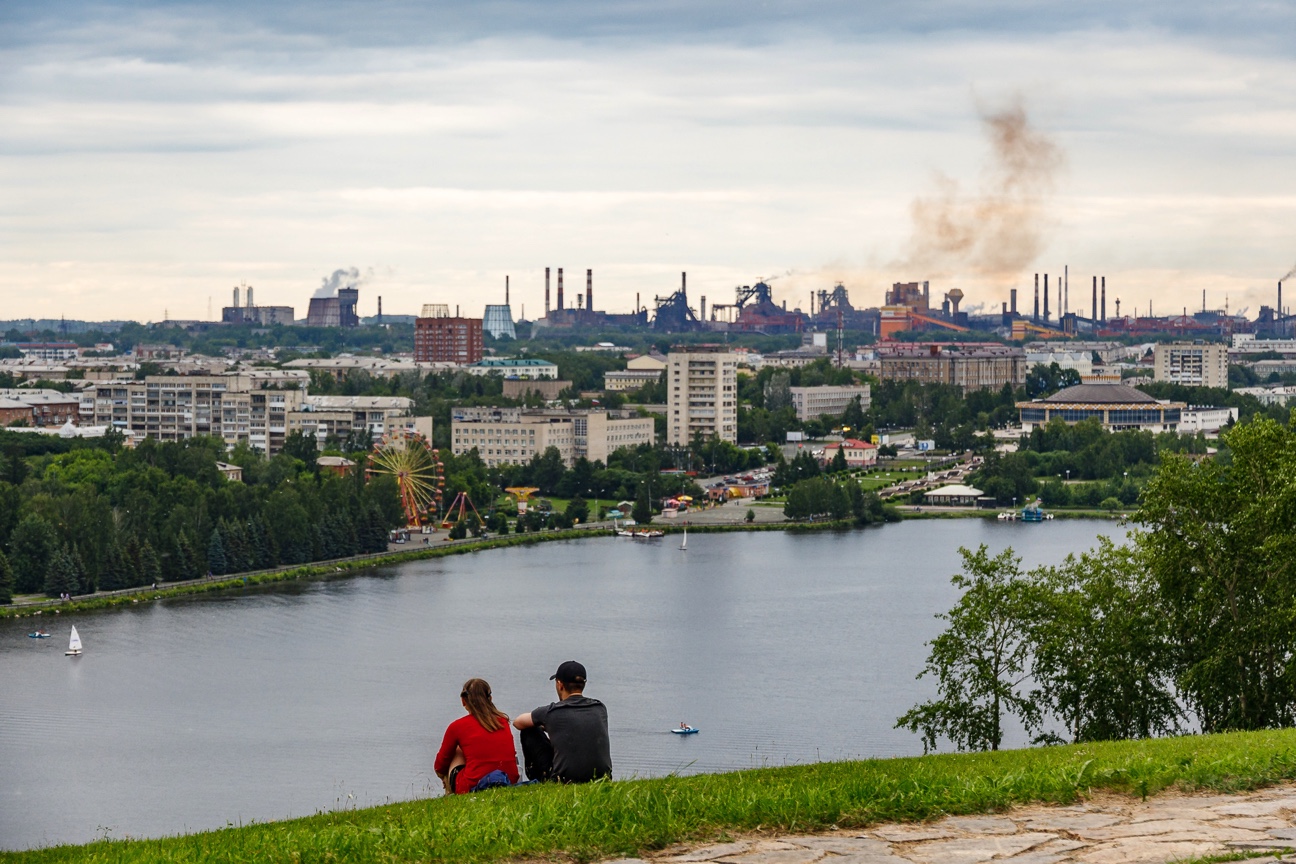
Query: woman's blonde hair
(476,694)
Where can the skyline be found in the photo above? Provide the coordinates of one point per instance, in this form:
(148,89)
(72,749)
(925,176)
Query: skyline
(155,155)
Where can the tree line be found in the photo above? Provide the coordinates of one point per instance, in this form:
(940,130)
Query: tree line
(1188,626)
(96,516)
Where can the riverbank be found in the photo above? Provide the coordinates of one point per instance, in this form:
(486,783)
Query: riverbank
(635,817)
(342,566)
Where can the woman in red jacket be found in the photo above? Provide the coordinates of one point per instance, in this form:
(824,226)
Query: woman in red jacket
(477,744)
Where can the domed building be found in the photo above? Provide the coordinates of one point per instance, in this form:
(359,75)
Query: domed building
(1116,406)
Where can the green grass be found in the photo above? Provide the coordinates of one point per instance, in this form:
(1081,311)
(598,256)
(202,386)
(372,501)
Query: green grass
(629,817)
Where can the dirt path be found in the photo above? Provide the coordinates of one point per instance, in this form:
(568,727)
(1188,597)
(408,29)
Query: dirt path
(1105,830)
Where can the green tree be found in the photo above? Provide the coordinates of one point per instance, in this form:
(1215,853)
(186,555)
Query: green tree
(1222,552)
(981,660)
(751,516)
(577,510)
(61,575)
(1100,648)
(216,561)
(642,512)
(31,548)
(6,581)
(301,446)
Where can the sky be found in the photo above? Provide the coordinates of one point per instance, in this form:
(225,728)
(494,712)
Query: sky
(155,155)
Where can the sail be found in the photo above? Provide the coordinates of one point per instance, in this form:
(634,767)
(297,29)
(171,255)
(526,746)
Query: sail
(75,643)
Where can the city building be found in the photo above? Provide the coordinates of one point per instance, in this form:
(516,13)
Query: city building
(1196,364)
(641,370)
(337,417)
(12,411)
(514,367)
(441,338)
(1271,395)
(831,400)
(1116,406)
(972,366)
(1206,418)
(701,394)
(344,365)
(512,436)
(236,409)
(859,454)
(49,350)
(1080,361)
(46,407)
(546,388)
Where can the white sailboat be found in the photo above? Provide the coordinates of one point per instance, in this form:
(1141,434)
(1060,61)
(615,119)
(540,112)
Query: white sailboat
(74,644)
(684,542)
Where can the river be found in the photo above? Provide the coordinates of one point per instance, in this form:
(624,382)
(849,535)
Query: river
(192,713)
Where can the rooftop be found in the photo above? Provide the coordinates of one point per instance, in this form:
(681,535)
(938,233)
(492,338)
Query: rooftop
(1100,394)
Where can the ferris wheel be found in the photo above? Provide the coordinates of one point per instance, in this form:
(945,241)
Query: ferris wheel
(410,459)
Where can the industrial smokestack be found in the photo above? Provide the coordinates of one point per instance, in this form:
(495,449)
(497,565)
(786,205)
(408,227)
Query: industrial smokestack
(379,310)
(1036,316)
(250,303)
(589,290)
(506,290)
(926,295)
(703,307)
(1093,310)
(560,297)
(1103,317)
(236,296)
(1012,295)
(683,283)
(1281,328)
(1046,293)
(1066,288)
(636,302)
(546,292)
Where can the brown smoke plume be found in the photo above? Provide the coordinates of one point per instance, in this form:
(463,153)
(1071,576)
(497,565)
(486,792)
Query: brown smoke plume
(1290,273)
(996,234)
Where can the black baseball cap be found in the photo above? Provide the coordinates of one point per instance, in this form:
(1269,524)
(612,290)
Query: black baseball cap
(570,672)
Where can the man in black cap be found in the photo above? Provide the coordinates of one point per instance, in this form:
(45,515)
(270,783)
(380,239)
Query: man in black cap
(567,740)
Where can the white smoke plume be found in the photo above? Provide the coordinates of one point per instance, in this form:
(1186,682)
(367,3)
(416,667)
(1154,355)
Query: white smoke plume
(349,277)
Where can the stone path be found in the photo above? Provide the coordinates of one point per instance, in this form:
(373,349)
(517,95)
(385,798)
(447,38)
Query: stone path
(1106,830)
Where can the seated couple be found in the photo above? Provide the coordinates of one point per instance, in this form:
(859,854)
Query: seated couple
(565,741)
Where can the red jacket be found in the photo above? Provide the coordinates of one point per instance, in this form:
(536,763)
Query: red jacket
(484,751)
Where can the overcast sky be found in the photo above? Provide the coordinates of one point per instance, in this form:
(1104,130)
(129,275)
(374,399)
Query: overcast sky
(154,155)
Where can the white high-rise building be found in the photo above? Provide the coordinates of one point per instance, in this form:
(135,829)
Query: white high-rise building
(1196,364)
(701,394)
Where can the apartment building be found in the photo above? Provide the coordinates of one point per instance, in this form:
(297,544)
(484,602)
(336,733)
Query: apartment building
(512,436)
(1197,364)
(337,417)
(235,408)
(447,340)
(972,367)
(645,369)
(832,400)
(701,394)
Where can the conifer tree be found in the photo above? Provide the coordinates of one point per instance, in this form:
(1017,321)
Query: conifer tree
(113,575)
(60,574)
(216,561)
(6,581)
(150,564)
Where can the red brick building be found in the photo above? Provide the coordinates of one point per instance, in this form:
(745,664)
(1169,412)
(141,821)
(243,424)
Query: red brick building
(447,340)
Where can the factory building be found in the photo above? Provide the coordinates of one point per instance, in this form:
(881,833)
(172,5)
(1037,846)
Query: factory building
(513,436)
(442,338)
(701,394)
(336,311)
(250,313)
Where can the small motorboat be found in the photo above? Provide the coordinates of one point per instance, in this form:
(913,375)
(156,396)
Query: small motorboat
(685,729)
(39,634)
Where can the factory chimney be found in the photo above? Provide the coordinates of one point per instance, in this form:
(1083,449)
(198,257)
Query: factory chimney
(1066,288)
(236,296)
(684,283)
(636,302)
(250,303)
(1093,310)
(1103,316)
(1013,296)
(1036,316)
(589,290)
(506,290)
(379,310)
(1282,326)
(926,295)
(703,308)
(546,292)
(1046,293)
(560,297)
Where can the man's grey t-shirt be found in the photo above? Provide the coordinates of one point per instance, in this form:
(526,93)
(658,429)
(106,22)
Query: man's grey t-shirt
(578,729)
